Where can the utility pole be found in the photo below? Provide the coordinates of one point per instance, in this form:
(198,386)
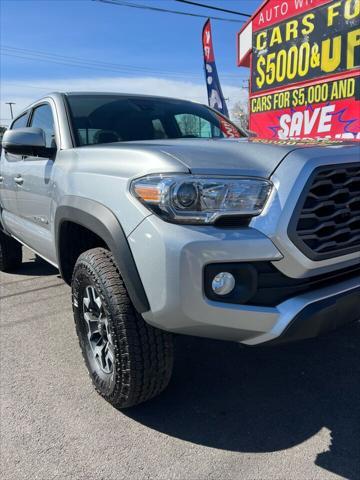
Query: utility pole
(11,110)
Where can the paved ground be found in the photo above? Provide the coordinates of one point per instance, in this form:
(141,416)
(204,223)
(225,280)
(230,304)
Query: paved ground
(230,413)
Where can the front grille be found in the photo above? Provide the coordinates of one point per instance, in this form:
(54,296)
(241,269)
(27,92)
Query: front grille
(326,221)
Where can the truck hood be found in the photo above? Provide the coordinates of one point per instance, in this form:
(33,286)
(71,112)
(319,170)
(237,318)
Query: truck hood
(244,156)
(226,156)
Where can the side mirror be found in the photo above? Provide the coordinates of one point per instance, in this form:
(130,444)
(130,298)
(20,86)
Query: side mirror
(28,141)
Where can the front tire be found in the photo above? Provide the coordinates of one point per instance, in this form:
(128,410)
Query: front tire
(10,253)
(128,360)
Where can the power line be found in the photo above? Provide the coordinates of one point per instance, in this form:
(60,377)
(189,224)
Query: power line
(176,76)
(75,59)
(211,7)
(84,61)
(122,3)
(73,62)
(97,65)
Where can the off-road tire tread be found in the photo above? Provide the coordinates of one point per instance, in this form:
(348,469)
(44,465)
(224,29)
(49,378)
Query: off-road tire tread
(144,354)
(10,253)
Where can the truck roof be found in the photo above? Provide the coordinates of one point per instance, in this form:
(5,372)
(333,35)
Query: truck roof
(123,94)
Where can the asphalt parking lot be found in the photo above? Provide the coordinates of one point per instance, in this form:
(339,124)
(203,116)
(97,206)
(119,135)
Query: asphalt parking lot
(229,413)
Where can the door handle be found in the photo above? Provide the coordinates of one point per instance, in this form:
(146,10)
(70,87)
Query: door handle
(1,179)
(19,180)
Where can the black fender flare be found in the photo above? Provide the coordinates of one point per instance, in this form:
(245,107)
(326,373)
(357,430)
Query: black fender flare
(100,220)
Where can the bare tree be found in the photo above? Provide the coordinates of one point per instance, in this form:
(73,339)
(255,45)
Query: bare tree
(191,125)
(240,115)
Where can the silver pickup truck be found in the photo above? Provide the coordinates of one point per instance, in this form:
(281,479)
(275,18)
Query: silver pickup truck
(165,219)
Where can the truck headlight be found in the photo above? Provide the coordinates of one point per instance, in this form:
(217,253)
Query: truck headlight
(195,199)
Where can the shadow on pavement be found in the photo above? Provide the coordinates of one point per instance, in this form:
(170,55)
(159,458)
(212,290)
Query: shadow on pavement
(35,266)
(265,399)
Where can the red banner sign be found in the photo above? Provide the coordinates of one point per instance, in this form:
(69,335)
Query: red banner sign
(276,11)
(321,110)
(305,58)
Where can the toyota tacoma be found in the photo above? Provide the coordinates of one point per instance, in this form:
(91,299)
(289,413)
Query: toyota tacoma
(164,218)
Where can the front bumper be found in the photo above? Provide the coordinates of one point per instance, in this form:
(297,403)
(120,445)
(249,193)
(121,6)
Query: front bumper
(322,316)
(171,260)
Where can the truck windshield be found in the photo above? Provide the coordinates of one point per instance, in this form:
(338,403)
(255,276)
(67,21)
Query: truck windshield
(100,119)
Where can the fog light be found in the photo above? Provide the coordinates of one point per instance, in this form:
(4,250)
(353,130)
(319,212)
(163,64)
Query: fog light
(223,283)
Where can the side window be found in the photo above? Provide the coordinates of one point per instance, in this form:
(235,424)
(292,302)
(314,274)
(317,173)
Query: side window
(42,117)
(193,126)
(20,122)
(159,130)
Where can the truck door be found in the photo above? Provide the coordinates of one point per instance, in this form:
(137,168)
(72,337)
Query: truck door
(9,167)
(34,194)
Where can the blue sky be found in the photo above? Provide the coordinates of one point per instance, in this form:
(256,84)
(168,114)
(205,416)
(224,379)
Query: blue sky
(165,49)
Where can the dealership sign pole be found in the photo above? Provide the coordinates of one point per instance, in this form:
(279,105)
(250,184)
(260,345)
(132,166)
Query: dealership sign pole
(304,58)
(215,96)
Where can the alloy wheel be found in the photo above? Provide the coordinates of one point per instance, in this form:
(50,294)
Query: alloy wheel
(98,332)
